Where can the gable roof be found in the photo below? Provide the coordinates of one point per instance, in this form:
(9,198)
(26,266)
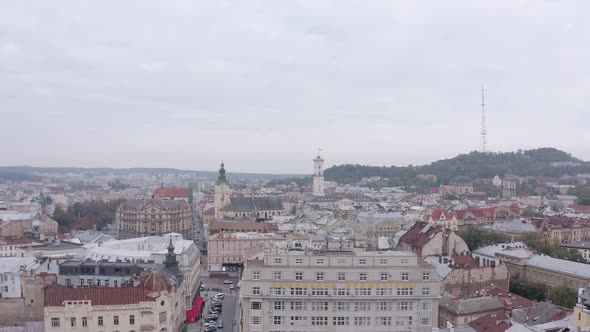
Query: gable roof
(251,204)
(441,214)
(171,192)
(420,234)
(56,295)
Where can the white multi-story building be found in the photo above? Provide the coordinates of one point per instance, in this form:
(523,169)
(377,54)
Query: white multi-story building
(344,290)
(11,269)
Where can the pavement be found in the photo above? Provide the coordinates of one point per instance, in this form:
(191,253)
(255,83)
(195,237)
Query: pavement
(230,308)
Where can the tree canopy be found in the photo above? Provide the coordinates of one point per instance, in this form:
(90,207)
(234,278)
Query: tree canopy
(86,215)
(477,237)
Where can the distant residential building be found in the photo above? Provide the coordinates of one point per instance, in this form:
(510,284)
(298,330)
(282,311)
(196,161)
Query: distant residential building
(426,239)
(459,312)
(524,263)
(582,311)
(582,247)
(229,251)
(509,186)
(9,246)
(465,276)
(344,290)
(443,218)
(137,218)
(496,181)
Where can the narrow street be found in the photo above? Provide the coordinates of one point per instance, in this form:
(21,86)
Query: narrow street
(230,308)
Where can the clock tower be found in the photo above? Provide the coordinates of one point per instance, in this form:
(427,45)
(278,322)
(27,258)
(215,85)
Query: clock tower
(318,175)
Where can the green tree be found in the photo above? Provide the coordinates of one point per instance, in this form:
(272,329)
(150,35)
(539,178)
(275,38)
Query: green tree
(563,296)
(477,237)
(531,290)
(583,194)
(64,220)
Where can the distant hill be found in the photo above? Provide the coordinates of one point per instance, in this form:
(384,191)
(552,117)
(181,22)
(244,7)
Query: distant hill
(537,162)
(19,173)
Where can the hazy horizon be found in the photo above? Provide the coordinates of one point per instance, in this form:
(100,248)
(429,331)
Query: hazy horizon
(262,85)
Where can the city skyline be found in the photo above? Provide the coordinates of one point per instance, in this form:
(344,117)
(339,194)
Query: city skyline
(263,85)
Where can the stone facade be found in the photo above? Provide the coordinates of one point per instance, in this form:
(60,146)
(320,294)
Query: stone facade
(154,217)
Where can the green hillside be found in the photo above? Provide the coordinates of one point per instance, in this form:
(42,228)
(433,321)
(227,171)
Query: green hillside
(537,162)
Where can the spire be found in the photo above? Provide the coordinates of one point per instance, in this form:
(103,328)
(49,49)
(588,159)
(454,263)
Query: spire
(171,256)
(221,178)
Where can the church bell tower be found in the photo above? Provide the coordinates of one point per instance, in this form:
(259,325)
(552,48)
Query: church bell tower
(222,192)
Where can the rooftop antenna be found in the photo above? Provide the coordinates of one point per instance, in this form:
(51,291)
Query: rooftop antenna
(484,131)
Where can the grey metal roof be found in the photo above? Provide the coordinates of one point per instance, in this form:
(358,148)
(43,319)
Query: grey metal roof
(251,204)
(467,306)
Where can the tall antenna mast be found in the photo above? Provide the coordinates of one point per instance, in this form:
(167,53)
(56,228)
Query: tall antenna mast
(484,131)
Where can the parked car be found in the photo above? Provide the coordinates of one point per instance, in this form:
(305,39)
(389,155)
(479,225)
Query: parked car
(219,295)
(220,323)
(231,287)
(212,317)
(203,287)
(227,282)
(211,328)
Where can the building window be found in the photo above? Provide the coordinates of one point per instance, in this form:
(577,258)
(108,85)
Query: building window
(255,275)
(298,275)
(277,320)
(100,321)
(299,291)
(342,291)
(298,260)
(425,276)
(255,290)
(319,306)
(405,276)
(363,276)
(319,321)
(383,261)
(68,282)
(425,321)
(278,260)
(362,261)
(163,317)
(131,320)
(404,306)
(73,321)
(255,305)
(319,261)
(84,322)
(404,261)
(54,322)
(341,276)
(362,321)
(426,291)
(426,305)
(115,320)
(255,320)
(340,321)
(279,305)
(384,276)
(297,305)
(319,276)
(405,291)
(384,321)
(276,276)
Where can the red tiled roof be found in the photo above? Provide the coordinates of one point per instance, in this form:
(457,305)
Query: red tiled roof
(56,295)
(510,300)
(171,192)
(15,241)
(581,208)
(463,260)
(155,282)
(437,214)
(494,322)
(416,238)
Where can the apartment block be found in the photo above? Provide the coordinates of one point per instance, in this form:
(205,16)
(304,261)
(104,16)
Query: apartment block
(339,290)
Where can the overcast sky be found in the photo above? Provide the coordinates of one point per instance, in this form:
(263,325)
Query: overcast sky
(263,84)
